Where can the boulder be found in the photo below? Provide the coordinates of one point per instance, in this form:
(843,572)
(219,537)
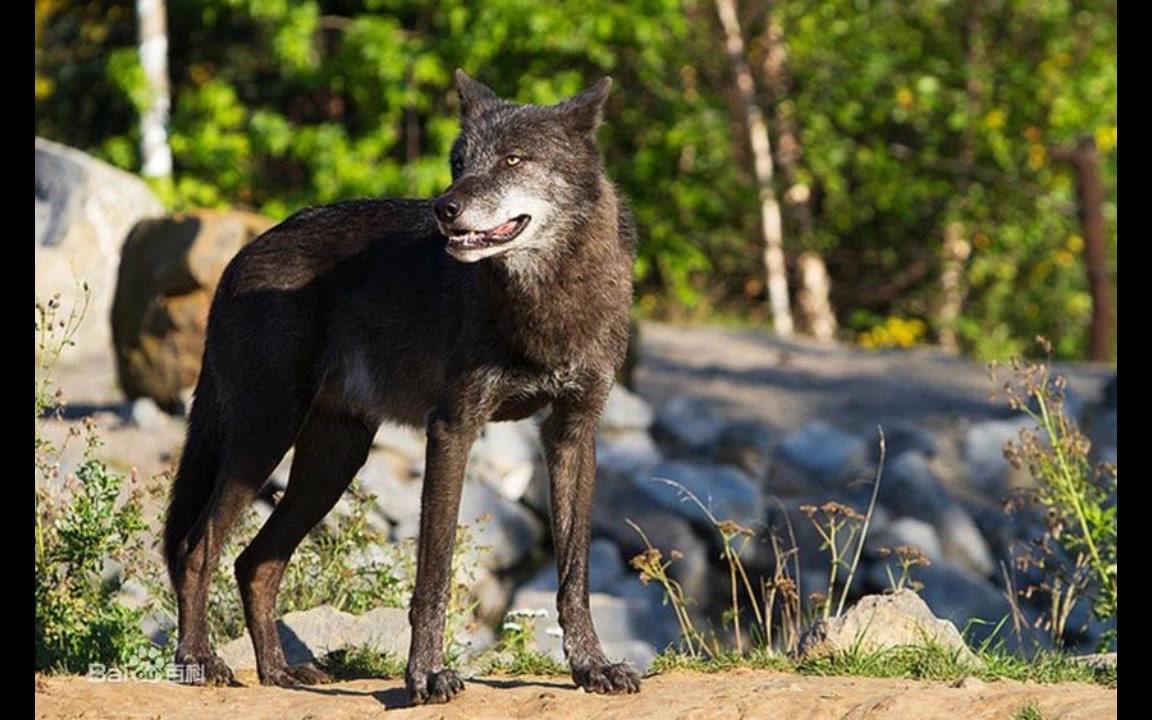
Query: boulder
(504,532)
(725,491)
(625,411)
(309,635)
(963,543)
(910,487)
(983,452)
(167,276)
(823,455)
(878,622)
(504,457)
(617,503)
(627,452)
(84,211)
(746,445)
(688,426)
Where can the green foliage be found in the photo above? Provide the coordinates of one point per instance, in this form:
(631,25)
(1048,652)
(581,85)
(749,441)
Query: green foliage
(344,562)
(1028,712)
(87,535)
(906,126)
(1078,551)
(516,653)
(917,662)
(362,662)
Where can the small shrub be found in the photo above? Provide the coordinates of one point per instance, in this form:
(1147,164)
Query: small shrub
(362,662)
(87,538)
(1078,550)
(515,653)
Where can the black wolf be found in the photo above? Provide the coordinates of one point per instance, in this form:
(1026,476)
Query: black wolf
(507,294)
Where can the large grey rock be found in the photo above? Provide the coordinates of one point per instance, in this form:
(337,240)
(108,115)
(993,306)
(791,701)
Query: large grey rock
(618,503)
(824,454)
(397,497)
(878,622)
(627,626)
(968,600)
(84,211)
(746,445)
(625,411)
(605,570)
(910,487)
(963,544)
(503,531)
(627,452)
(908,531)
(902,437)
(491,594)
(504,457)
(309,635)
(983,451)
(726,492)
(145,414)
(688,425)
(408,443)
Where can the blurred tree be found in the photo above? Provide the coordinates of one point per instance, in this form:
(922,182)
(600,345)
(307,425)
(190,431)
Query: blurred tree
(277,104)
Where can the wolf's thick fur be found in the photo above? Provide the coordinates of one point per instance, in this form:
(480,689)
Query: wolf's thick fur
(508,294)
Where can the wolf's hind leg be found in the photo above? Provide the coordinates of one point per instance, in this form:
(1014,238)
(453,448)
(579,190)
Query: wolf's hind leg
(249,452)
(330,449)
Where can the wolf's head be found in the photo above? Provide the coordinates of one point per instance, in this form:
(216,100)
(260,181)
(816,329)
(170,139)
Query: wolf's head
(522,175)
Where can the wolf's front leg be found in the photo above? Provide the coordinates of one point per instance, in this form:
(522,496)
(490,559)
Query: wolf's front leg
(569,437)
(449,440)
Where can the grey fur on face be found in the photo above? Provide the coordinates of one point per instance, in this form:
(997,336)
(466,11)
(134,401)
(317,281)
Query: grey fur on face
(512,166)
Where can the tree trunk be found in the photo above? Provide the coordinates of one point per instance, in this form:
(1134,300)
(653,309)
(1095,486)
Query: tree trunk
(814,297)
(771,224)
(1090,201)
(956,248)
(152,18)
(953,287)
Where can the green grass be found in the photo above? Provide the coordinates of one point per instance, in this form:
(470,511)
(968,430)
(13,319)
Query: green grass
(362,662)
(528,662)
(915,662)
(757,659)
(1028,712)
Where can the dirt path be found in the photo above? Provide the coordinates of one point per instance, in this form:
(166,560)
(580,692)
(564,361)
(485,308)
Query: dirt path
(735,694)
(788,383)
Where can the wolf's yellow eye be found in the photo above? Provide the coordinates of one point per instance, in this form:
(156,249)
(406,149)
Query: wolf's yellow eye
(513,159)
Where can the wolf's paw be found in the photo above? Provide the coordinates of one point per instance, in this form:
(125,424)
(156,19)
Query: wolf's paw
(433,687)
(607,678)
(203,669)
(294,675)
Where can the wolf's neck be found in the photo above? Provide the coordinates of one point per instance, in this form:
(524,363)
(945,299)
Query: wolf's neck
(587,240)
(552,302)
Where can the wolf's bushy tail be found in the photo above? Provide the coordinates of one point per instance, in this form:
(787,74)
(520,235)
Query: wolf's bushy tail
(196,476)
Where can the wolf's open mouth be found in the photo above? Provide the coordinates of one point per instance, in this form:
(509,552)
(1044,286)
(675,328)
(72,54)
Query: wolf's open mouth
(485,238)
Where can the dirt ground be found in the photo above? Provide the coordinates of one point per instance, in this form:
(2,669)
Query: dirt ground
(735,694)
(787,383)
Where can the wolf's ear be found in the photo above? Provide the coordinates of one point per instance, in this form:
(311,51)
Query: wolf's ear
(475,97)
(583,112)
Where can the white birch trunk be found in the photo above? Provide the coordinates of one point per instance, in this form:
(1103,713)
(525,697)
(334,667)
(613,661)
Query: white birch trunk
(152,18)
(772,227)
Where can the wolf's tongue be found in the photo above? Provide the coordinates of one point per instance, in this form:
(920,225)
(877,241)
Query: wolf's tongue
(505,228)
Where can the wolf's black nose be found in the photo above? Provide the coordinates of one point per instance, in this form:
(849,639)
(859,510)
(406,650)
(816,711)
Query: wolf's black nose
(447,209)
